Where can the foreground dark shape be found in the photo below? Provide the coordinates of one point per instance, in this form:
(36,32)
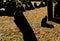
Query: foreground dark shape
(45,24)
(24,26)
(20,20)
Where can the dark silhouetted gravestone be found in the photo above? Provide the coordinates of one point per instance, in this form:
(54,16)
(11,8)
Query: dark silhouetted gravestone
(45,24)
(31,6)
(35,5)
(24,26)
(41,5)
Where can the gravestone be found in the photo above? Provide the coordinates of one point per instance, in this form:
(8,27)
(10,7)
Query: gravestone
(31,6)
(35,5)
(41,5)
(45,24)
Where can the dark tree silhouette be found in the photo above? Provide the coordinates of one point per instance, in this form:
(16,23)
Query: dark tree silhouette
(50,10)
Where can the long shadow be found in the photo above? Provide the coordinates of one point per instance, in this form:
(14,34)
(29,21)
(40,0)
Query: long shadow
(24,26)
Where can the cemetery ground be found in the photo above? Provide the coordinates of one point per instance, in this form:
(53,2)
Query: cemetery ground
(10,32)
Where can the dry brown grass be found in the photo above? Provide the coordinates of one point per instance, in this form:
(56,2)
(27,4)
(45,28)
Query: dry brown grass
(8,30)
